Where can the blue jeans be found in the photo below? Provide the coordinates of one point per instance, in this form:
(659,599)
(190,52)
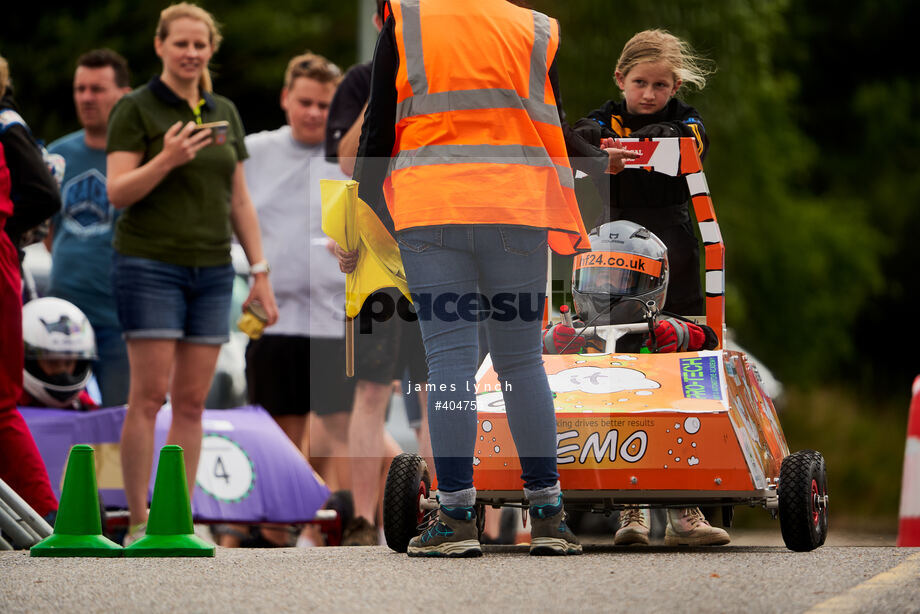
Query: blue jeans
(459,275)
(111,368)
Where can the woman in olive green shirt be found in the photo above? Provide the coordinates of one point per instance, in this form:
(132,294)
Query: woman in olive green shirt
(182,189)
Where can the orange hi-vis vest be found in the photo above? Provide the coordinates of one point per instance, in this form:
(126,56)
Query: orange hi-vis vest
(478,137)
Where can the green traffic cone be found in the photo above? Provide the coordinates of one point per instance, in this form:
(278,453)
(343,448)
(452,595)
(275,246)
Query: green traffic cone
(78,527)
(169,527)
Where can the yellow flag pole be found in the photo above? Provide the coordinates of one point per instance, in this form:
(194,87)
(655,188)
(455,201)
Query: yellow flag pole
(352,239)
(350,347)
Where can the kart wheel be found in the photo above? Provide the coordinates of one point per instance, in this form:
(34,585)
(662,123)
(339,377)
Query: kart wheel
(408,484)
(803,500)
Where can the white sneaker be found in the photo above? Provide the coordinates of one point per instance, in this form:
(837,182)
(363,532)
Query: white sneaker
(135,532)
(688,527)
(634,526)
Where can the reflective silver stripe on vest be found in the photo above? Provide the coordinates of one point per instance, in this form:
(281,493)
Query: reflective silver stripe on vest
(541,29)
(480,154)
(421,102)
(471,100)
(415,62)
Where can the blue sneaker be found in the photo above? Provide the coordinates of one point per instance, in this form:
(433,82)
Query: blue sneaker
(454,534)
(549,535)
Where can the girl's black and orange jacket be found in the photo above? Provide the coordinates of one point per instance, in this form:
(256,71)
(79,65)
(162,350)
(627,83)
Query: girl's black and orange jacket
(656,201)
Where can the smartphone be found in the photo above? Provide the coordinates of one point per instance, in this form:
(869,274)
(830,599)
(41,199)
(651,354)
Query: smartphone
(218,131)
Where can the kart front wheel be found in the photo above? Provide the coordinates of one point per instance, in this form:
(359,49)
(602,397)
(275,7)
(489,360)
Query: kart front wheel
(803,500)
(408,484)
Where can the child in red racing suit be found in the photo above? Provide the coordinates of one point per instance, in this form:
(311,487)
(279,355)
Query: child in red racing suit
(28,195)
(623,278)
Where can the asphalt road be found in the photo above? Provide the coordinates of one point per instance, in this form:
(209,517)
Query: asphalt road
(753,574)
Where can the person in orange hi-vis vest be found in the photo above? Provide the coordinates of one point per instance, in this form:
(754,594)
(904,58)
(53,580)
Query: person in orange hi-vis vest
(466,157)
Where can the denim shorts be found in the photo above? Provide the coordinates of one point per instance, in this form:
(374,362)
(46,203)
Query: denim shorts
(158,300)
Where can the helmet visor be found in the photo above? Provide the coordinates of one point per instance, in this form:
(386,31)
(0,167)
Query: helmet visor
(78,351)
(616,274)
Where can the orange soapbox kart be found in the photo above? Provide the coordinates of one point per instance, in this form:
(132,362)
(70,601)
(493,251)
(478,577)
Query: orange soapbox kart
(654,430)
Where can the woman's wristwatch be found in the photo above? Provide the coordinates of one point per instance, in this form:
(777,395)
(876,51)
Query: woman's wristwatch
(259,267)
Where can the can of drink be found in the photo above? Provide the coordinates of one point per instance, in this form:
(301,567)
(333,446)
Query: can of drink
(253,320)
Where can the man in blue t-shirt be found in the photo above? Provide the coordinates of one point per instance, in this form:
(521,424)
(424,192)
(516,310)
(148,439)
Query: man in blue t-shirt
(81,234)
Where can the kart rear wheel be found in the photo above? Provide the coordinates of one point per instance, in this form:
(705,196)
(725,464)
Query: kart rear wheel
(803,500)
(408,484)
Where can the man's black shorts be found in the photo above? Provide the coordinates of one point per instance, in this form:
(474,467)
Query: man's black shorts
(386,347)
(276,375)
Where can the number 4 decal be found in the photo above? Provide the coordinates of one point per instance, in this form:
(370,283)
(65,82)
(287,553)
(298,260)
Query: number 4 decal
(225,471)
(219,471)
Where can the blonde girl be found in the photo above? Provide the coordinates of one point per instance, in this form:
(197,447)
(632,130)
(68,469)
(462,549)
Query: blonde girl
(652,68)
(650,72)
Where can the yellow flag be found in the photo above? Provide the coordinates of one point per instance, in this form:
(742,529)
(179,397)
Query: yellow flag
(351,223)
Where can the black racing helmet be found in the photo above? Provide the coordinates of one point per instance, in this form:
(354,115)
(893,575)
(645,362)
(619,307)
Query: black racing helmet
(626,267)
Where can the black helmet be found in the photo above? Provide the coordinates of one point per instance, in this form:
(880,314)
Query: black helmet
(626,260)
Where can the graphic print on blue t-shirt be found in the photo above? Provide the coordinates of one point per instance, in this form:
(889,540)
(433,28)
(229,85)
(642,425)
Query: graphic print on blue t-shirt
(87,211)
(82,248)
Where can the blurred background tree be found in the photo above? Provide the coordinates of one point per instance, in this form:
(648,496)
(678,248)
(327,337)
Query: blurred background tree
(42,46)
(813,119)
